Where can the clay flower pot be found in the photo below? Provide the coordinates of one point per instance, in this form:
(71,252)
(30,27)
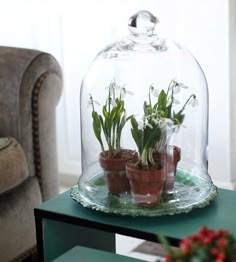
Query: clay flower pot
(114,171)
(146,185)
(171,161)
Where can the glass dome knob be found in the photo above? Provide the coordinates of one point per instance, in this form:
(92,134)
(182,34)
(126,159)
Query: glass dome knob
(142,23)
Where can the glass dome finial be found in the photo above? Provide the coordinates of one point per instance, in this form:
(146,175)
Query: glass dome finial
(142,23)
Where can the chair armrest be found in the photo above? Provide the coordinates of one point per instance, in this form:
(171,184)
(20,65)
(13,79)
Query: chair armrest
(30,87)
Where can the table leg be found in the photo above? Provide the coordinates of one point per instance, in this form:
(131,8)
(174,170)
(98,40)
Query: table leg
(39,236)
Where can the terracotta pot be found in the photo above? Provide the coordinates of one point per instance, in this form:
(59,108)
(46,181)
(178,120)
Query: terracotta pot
(114,171)
(171,161)
(146,185)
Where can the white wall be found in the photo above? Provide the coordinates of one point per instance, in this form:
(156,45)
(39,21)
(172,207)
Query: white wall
(74,31)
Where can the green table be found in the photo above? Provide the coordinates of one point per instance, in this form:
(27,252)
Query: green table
(61,224)
(87,255)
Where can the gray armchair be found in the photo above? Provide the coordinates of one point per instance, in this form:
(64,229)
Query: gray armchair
(30,87)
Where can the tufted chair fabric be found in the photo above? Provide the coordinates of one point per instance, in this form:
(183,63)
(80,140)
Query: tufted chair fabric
(30,88)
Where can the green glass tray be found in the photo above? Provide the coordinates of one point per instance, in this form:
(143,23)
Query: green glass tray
(189,192)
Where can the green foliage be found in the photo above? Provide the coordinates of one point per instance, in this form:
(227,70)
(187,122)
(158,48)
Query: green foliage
(109,125)
(159,119)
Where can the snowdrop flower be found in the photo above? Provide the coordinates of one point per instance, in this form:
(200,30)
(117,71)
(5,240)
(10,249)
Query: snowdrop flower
(149,125)
(155,121)
(113,103)
(193,102)
(124,92)
(140,125)
(91,102)
(183,85)
(175,101)
(155,92)
(176,89)
(110,87)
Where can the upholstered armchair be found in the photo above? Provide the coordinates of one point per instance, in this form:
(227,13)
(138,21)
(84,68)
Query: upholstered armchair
(30,87)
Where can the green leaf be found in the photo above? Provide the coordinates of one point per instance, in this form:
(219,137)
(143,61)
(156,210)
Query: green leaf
(152,136)
(97,126)
(162,99)
(134,122)
(128,118)
(105,113)
(137,136)
(178,118)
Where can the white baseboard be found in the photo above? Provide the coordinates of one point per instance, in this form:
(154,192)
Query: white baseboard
(231,185)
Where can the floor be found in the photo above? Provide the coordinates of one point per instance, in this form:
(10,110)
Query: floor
(134,247)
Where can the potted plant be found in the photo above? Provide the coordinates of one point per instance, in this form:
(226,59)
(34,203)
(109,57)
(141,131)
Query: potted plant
(171,121)
(146,175)
(206,246)
(108,128)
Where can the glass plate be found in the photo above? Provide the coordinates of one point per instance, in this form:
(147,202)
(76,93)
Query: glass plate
(189,192)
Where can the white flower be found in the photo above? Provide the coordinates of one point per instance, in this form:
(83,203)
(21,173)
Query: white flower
(149,125)
(194,102)
(113,103)
(183,85)
(129,92)
(124,92)
(91,101)
(140,125)
(176,89)
(155,121)
(175,101)
(155,92)
(110,87)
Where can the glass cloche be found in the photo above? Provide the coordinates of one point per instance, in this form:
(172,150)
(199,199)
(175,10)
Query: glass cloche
(144,126)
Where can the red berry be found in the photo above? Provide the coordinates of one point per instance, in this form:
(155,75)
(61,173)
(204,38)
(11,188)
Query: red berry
(168,258)
(214,251)
(203,230)
(222,243)
(206,240)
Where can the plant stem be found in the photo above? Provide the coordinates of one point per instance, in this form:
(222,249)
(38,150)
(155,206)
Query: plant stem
(149,96)
(169,87)
(194,96)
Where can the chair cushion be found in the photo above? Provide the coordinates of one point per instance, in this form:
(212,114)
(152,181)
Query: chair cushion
(13,164)
(17,228)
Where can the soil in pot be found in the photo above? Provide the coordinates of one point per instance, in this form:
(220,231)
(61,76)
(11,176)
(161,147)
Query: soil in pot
(171,159)
(114,170)
(146,184)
